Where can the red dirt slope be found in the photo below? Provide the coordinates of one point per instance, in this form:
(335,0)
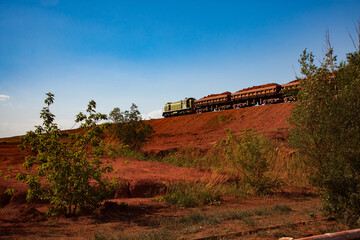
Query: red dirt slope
(202,130)
(197,130)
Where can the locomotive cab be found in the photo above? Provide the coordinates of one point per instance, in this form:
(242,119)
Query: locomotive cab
(182,107)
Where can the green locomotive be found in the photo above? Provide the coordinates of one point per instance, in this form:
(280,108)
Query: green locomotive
(182,107)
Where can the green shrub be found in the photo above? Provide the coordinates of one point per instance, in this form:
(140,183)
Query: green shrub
(129,128)
(66,169)
(326,131)
(249,156)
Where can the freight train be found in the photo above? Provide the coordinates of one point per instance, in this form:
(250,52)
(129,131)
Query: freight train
(258,95)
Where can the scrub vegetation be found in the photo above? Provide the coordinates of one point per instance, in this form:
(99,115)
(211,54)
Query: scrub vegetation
(326,131)
(72,171)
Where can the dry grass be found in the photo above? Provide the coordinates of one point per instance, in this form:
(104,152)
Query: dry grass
(289,167)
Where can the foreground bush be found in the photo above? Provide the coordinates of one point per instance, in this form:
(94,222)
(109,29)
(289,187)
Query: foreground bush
(326,131)
(66,169)
(249,157)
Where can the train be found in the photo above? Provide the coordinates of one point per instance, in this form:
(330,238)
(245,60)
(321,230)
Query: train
(270,93)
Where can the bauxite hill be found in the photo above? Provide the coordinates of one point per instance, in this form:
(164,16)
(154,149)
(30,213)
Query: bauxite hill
(202,130)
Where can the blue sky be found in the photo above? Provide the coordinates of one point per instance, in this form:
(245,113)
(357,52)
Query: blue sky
(152,52)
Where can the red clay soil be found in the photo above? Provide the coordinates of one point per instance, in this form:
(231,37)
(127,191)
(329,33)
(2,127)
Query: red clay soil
(202,130)
(196,130)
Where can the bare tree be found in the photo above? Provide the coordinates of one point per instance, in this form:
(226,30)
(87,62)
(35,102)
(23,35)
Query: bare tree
(329,52)
(357,35)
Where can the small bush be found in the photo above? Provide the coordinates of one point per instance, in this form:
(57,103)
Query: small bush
(249,155)
(66,169)
(129,128)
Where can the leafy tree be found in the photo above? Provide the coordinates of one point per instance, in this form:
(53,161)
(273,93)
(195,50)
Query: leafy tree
(129,128)
(116,116)
(326,131)
(66,169)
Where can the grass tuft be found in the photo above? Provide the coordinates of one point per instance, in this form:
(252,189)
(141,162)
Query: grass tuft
(187,194)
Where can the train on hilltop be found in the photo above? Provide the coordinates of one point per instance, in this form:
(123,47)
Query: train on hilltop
(257,95)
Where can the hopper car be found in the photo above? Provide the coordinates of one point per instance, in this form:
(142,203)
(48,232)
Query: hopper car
(258,95)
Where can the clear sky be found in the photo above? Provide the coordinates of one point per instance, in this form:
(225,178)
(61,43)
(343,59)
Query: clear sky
(119,52)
